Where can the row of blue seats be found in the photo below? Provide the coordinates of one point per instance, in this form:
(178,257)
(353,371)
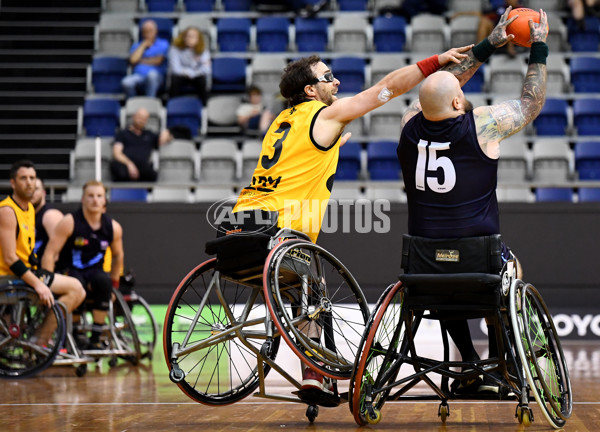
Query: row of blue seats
(389,32)
(382,161)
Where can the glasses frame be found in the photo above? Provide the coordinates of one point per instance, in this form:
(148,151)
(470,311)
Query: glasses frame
(326,78)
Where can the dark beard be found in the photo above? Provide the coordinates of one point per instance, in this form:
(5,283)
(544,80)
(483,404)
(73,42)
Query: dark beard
(468,106)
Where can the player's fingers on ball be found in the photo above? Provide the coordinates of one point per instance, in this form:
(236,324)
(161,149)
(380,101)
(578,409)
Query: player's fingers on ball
(512,19)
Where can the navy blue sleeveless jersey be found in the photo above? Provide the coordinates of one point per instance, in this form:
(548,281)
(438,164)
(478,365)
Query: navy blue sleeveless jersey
(41,236)
(85,248)
(450,183)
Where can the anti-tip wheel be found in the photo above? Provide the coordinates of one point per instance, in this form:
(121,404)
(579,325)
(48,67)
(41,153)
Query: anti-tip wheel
(444,412)
(373,416)
(312,412)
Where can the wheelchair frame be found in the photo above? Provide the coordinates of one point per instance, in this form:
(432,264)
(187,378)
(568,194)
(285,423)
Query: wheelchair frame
(531,359)
(21,314)
(231,324)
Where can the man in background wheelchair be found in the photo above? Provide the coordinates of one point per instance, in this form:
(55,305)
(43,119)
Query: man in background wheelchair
(78,246)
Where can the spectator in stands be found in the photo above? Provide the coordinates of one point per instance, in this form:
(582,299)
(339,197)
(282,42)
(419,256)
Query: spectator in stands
(581,8)
(80,240)
(46,218)
(132,150)
(148,58)
(189,61)
(442,123)
(252,114)
(17,240)
(410,8)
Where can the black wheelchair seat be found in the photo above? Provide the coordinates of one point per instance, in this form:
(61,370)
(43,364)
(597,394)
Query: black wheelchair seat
(239,253)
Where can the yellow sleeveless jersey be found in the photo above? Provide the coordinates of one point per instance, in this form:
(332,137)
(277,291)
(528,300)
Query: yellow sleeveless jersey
(25,234)
(294,175)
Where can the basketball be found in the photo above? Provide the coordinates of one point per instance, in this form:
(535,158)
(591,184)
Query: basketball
(520,26)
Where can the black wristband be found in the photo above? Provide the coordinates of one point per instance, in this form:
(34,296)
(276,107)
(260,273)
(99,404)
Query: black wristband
(483,50)
(19,268)
(538,52)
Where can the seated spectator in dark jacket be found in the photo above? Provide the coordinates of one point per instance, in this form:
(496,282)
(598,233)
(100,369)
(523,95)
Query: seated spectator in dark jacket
(148,58)
(132,150)
(189,60)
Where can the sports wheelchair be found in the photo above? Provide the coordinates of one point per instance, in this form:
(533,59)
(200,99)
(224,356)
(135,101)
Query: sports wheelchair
(227,317)
(460,279)
(22,318)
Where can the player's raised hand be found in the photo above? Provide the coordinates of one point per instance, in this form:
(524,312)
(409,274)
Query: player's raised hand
(498,36)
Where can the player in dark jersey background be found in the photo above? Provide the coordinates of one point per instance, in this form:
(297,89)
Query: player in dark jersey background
(46,218)
(80,240)
(449,154)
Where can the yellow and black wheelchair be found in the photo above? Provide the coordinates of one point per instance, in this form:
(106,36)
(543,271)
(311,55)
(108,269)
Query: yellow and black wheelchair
(452,279)
(227,317)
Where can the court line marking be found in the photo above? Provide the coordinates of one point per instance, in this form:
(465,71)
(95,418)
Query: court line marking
(253,403)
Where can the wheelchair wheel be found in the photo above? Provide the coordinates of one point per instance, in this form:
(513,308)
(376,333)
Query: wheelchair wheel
(214,329)
(21,319)
(125,337)
(378,347)
(146,326)
(317,306)
(542,355)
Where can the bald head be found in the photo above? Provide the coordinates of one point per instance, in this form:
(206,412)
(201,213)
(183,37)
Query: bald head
(140,118)
(441,96)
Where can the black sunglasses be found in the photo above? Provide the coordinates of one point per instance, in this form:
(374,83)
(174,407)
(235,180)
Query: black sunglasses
(328,78)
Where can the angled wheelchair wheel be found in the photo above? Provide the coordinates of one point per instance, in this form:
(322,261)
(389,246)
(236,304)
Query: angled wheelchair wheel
(378,348)
(124,338)
(214,330)
(31,334)
(145,323)
(317,306)
(542,355)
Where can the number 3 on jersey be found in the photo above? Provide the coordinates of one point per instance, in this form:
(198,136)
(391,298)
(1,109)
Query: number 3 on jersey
(430,151)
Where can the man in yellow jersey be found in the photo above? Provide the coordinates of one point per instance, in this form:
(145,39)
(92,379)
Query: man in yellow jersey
(294,176)
(17,240)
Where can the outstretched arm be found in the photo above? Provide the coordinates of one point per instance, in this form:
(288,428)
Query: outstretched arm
(481,52)
(497,122)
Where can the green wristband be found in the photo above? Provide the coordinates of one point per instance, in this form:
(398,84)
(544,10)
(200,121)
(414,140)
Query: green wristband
(538,53)
(483,50)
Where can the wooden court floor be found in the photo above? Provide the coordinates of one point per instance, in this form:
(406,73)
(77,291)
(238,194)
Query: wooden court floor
(141,398)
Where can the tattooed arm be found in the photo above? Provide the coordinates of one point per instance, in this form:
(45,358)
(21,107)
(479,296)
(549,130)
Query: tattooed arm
(413,109)
(469,65)
(496,122)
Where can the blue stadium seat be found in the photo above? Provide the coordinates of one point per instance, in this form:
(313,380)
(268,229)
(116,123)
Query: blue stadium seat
(237,5)
(164,26)
(551,194)
(352,5)
(312,34)
(351,73)
(272,34)
(585,74)
(198,5)
(161,5)
(389,33)
(228,74)
(553,119)
(185,111)
(589,194)
(107,73)
(101,117)
(587,160)
(475,84)
(586,116)
(349,165)
(233,34)
(382,160)
(128,194)
(587,39)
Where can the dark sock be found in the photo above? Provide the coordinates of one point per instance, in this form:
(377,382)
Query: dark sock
(461,335)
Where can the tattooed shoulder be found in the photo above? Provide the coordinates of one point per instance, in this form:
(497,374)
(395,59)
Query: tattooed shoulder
(499,121)
(413,109)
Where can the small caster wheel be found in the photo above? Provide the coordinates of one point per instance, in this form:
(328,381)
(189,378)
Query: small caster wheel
(373,416)
(525,416)
(312,412)
(112,362)
(176,375)
(444,412)
(81,370)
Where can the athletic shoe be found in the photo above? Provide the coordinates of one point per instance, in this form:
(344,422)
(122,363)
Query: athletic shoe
(489,385)
(314,380)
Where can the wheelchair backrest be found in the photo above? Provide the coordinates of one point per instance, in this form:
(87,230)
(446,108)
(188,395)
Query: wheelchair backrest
(482,254)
